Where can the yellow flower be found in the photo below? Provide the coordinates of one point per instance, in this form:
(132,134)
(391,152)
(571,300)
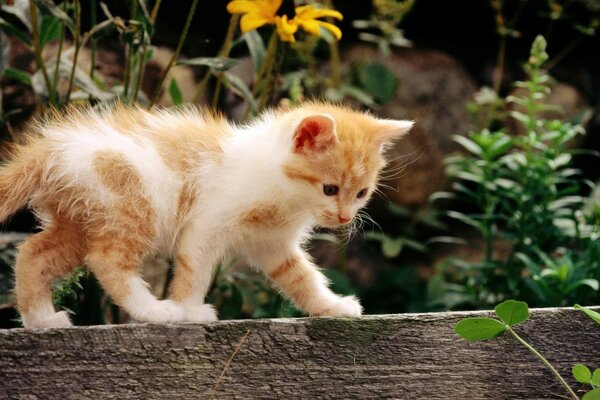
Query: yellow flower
(306,18)
(256,12)
(285,28)
(261,12)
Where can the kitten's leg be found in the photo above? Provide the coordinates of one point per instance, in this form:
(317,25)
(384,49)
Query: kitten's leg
(301,280)
(190,284)
(192,277)
(42,258)
(114,258)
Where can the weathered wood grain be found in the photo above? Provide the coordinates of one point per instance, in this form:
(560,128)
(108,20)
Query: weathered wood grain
(412,356)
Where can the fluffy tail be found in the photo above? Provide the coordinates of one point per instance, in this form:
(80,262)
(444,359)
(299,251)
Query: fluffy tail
(20,178)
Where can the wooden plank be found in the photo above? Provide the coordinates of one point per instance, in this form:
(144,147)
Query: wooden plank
(411,356)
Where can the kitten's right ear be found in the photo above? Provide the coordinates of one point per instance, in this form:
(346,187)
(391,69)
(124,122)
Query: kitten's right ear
(314,133)
(389,130)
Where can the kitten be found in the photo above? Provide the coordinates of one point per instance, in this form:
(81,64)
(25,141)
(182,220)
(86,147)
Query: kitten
(113,187)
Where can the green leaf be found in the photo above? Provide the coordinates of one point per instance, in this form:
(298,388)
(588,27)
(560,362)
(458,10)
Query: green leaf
(521,117)
(464,218)
(590,282)
(592,314)
(16,32)
(236,85)
(18,75)
(582,373)
(391,247)
(378,81)
(596,377)
(500,147)
(50,29)
(358,94)
(55,10)
(512,312)
(175,93)
(475,329)
(413,244)
(468,176)
(468,144)
(216,63)
(144,17)
(20,12)
(104,28)
(592,395)
(256,47)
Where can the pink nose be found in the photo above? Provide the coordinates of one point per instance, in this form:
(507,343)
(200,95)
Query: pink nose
(344,219)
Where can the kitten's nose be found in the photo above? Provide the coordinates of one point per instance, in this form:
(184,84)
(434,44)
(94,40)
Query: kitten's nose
(344,219)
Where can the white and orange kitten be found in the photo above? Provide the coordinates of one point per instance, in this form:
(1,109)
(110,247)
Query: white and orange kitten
(114,187)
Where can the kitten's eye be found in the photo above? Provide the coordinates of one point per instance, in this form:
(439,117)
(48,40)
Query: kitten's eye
(330,190)
(362,193)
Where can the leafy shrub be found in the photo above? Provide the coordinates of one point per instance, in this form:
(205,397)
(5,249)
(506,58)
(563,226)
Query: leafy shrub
(520,191)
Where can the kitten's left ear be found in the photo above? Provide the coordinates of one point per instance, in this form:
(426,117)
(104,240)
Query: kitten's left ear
(389,130)
(314,133)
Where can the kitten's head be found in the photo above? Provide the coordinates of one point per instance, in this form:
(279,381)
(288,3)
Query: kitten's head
(336,157)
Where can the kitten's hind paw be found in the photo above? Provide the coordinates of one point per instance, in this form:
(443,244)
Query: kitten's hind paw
(54,320)
(200,313)
(347,306)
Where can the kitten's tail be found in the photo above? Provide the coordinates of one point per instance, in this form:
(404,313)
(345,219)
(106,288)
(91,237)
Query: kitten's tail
(20,178)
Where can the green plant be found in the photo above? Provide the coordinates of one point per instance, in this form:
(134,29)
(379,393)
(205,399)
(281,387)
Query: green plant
(511,313)
(520,192)
(66,291)
(382,28)
(410,236)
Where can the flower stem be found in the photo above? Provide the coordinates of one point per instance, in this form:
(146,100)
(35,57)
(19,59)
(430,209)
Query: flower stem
(334,52)
(93,44)
(500,59)
(545,362)
(77,45)
(58,55)
(37,48)
(261,85)
(186,28)
(225,50)
(155,11)
(142,65)
(129,59)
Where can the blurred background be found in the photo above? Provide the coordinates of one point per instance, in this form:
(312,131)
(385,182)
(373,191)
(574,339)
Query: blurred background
(493,195)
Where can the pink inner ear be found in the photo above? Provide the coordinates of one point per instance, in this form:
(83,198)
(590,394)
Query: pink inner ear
(313,134)
(307,134)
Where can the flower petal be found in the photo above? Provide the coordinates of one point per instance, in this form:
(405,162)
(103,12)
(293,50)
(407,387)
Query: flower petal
(271,6)
(335,31)
(252,21)
(286,29)
(240,6)
(311,26)
(310,12)
(265,8)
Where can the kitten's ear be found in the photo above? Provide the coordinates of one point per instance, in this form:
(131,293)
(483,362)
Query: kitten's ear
(390,130)
(314,133)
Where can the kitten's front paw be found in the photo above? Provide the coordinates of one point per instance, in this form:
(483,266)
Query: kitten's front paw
(163,311)
(347,306)
(200,313)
